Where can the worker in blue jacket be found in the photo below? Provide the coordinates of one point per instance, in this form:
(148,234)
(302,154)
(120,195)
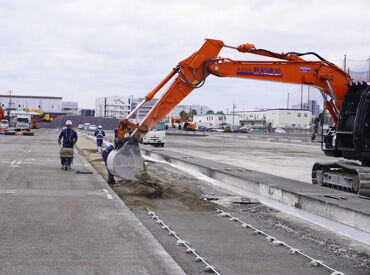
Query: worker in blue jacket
(104,154)
(69,137)
(99,133)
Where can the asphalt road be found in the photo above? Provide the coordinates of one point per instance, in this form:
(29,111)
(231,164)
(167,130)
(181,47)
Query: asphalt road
(67,222)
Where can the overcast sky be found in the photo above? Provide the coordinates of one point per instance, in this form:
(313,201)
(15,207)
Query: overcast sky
(86,49)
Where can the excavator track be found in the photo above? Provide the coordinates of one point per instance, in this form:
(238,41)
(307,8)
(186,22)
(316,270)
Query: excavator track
(343,175)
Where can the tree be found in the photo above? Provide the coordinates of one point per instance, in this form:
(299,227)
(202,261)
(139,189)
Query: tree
(191,114)
(220,113)
(210,112)
(184,115)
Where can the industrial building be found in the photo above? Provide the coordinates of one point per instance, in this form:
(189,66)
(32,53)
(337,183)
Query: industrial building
(70,108)
(311,106)
(113,106)
(53,105)
(45,104)
(276,118)
(121,106)
(216,120)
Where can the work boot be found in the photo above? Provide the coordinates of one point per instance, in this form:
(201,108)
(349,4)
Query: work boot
(113,183)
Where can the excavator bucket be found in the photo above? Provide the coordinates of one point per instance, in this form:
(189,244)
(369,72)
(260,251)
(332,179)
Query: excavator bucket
(126,162)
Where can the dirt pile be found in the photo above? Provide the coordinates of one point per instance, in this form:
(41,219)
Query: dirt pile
(160,193)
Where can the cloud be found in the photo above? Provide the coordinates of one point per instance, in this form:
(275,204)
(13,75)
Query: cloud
(84,49)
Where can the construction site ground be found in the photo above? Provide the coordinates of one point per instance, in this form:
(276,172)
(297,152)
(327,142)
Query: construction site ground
(180,202)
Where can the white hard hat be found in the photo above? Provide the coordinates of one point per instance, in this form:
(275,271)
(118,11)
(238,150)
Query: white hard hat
(99,127)
(68,122)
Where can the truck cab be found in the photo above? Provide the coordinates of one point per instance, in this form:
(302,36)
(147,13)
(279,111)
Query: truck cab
(22,122)
(4,124)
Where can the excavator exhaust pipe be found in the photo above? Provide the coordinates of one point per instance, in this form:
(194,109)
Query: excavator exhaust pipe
(126,162)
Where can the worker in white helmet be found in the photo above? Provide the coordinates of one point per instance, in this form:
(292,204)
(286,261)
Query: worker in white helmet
(69,137)
(99,133)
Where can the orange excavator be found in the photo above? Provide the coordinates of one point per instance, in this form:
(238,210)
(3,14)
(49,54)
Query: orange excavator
(187,125)
(347,102)
(2,115)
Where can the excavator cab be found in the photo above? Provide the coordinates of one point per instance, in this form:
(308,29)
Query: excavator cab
(351,137)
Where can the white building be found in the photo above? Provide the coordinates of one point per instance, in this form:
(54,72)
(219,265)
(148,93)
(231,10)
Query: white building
(215,120)
(70,108)
(45,104)
(200,109)
(311,106)
(276,118)
(113,106)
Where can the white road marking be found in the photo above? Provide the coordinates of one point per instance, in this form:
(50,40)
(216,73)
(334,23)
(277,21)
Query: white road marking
(109,197)
(19,162)
(13,162)
(105,191)
(10,191)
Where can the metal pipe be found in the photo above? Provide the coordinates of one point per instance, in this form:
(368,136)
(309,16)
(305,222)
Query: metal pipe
(231,47)
(136,109)
(331,90)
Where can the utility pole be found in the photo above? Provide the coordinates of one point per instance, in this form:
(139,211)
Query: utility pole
(287,103)
(10,106)
(301,97)
(234,106)
(345,63)
(308,98)
(368,80)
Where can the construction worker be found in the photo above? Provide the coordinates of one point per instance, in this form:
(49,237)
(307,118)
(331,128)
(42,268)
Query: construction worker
(69,137)
(99,133)
(104,155)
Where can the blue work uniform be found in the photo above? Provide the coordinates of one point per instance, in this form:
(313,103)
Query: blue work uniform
(69,137)
(99,137)
(105,154)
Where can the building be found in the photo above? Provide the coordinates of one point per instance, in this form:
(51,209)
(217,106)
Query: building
(216,120)
(121,106)
(312,106)
(87,112)
(141,113)
(276,118)
(45,104)
(200,109)
(113,106)
(70,108)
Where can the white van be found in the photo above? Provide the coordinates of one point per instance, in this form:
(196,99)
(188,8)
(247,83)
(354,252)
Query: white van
(157,136)
(87,126)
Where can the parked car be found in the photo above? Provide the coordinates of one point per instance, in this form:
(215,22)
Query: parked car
(86,126)
(81,127)
(4,124)
(93,127)
(280,131)
(219,129)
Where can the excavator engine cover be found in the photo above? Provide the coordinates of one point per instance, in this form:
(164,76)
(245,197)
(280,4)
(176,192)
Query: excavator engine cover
(126,161)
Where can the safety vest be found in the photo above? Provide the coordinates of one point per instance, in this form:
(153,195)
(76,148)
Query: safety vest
(99,134)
